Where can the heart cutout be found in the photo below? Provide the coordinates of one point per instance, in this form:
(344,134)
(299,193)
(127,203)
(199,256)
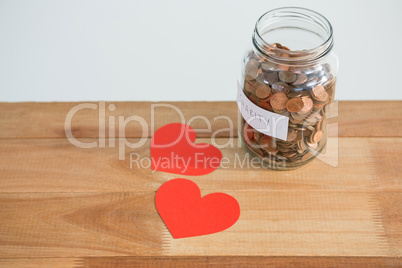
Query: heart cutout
(186,214)
(173,150)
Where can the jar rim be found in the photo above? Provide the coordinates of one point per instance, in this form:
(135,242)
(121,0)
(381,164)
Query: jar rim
(294,56)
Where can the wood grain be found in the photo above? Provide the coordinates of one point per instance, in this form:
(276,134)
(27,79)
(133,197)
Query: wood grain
(55,165)
(46,120)
(390,205)
(64,206)
(211,261)
(238,261)
(271,223)
(42,262)
(65,225)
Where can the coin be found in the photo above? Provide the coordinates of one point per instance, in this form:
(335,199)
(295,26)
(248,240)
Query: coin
(268,145)
(301,146)
(288,154)
(295,121)
(278,101)
(319,93)
(319,124)
(283,112)
(248,87)
(316,137)
(294,105)
(265,105)
(257,135)
(248,132)
(312,145)
(253,99)
(252,69)
(287,76)
(330,87)
(280,87)
(307,105)
(270,77)
(295,93)
(263,91)
(266,66)
(298,116)
(306,157)
(301,79)
(278,45)
(291,135)
(311,82)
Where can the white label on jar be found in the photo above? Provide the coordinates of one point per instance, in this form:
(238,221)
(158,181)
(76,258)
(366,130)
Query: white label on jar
(269,123)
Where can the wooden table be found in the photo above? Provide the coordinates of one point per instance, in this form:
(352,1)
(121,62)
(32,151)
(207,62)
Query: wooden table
(64,206)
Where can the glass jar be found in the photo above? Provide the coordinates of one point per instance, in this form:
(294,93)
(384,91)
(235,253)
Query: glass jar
(287,83)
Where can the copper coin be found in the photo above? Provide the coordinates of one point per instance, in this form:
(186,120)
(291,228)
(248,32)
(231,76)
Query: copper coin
(308,132)
(278,45)
(311,83)
(289,154)
(331,89)
(265,105)
(248,87)
(295,121)
(262,91)
(301,79)
(316,137)
(252,69)
(295,92)
(306,157)
(268,145)
(301,146)
(292,135)
(248,132)
(257,135)
(267,66)
(278,101)
(253,99)
(307,105)
(287,76)
(312,145)
(283,67)
(270,77)
(265,141)
(319,125)
(284,112)
(280,87)
(319,93)
(310,129)
(294,105)
(326,67)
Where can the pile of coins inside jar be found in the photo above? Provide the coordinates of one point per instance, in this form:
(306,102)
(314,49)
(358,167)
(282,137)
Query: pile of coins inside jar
(302,94)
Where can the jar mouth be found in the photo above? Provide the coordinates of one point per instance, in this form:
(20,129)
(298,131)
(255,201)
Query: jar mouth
(308,26)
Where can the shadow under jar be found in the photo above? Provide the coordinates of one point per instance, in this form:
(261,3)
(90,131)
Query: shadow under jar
(289,71)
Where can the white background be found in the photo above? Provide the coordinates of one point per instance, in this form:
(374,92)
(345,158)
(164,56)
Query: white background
(177,50)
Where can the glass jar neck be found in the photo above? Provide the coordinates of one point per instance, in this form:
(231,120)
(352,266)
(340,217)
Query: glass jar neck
(307,33)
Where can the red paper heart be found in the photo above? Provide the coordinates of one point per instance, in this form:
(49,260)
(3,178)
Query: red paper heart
(186,214)
(173,150)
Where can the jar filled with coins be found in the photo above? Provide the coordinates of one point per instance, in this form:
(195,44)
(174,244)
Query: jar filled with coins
(287,87)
